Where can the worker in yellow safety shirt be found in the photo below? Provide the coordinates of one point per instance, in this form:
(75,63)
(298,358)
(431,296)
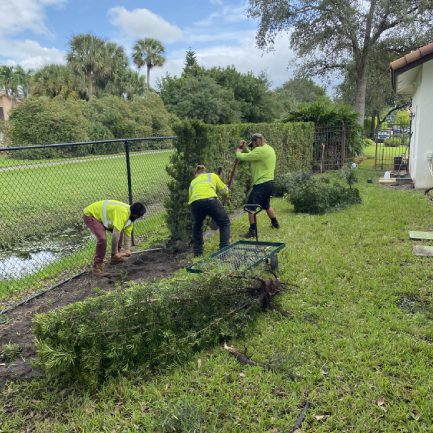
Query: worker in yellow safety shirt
(203,193)
(116,217)
(262,161)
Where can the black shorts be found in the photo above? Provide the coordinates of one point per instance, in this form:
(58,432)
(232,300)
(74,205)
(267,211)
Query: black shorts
(261,194)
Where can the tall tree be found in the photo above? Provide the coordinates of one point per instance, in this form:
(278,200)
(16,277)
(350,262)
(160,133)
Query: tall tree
(88,56)
(191,65)
(330,34)
(9,80)
(115,69)
(297,91)
(149,52)
(52,81)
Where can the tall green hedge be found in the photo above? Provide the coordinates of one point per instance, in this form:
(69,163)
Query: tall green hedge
(214,146)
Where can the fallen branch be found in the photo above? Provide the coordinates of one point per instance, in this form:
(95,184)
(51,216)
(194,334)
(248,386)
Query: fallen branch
(301,417)
(240,356)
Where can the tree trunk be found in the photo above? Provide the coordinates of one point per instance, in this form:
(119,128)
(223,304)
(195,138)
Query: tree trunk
(148,76)
(361,88)
(89,85)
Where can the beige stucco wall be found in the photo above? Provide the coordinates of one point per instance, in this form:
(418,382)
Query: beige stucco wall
(422,126)
(6,103)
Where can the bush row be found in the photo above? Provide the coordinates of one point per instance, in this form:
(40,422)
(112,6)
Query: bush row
(45,121)
(154,325)
(213,145)
(318,194)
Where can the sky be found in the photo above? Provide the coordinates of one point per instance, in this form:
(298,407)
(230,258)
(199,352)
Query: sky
(34,33)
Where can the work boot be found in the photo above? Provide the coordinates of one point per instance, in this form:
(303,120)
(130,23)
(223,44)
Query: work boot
(117,258)
(250,234)
(98,270)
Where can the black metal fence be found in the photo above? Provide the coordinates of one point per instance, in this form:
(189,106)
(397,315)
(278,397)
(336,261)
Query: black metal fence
(392,149)
(329,149)
(42,236)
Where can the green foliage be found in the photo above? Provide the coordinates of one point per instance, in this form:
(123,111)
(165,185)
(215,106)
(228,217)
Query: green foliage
(149,52)
(213,146)
(320,194)
(9,352)
(218,95)
(295,92)
(43,121)
(155,324)
(368,142)
(251,92)
(402,118)
(329,114)
(54,81)
(201,98)
(286,182)
(397,140)
(47,121)
(334,36)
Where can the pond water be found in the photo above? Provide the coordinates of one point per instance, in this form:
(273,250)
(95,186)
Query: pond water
(30,257)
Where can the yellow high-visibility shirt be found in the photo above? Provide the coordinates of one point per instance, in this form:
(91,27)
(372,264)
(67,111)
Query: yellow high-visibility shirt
(262,161)
(206,185)
(112,214)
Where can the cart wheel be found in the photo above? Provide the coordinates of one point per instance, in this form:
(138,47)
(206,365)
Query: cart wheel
(274,262)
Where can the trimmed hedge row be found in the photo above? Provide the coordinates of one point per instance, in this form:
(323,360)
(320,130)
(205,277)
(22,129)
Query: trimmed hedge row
(153,325)
(213,145)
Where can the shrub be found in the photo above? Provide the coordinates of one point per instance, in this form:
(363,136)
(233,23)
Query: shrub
(320,194)
(46,121)
(286,182)
(154,324)
(397,140)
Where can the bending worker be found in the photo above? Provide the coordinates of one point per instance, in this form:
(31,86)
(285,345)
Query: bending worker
(262,161)
(118,218)
(203,192)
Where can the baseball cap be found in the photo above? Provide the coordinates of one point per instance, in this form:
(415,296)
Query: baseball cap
(256,135)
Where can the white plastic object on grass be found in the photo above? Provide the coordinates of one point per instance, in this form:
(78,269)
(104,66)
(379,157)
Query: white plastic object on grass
(387,175)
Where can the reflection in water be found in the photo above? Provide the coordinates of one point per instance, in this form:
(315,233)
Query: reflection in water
(17,267)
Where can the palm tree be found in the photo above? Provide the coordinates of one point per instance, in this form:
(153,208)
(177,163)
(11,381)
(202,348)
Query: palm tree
(88,56)
(52,81)
(9,80)
(117,67)
(149,52)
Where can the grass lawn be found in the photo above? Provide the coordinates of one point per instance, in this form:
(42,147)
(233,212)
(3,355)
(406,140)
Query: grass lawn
(48,198)
(355,341)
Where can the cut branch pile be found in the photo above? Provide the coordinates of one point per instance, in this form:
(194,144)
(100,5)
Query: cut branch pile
(152,325)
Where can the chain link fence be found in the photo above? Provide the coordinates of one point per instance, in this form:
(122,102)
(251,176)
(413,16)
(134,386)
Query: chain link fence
(44,189)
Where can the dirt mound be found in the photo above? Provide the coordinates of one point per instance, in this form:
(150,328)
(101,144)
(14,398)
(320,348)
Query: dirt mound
(16,325)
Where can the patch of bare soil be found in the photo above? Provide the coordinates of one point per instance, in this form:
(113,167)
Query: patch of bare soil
(16,325)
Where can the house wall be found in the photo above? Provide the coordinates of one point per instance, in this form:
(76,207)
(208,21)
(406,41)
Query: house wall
(7,104)
(422,138)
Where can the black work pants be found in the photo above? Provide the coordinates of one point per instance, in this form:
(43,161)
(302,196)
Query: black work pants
(209,207)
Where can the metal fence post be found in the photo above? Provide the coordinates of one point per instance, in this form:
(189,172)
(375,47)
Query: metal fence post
(128,176)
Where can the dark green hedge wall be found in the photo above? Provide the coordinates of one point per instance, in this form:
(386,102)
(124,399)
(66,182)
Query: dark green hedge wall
(214,146)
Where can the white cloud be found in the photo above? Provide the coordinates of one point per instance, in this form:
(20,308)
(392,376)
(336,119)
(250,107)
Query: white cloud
(19,15)
(225,15)
(29,54)
(142,23)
